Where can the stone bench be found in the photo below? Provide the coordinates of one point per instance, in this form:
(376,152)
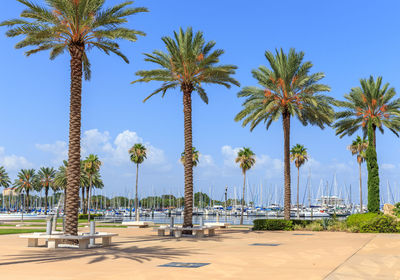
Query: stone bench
(137,224)
(53,240)
(177,231)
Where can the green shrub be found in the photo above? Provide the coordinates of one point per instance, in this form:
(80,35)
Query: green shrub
(396,209)
(356,220)
(263,224)
(85,216)
(298,227)
(301,223)
(380,224)
(315,226)
(337,226)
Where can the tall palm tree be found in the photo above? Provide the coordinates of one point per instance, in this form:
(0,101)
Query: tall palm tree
(75,26)
(358,147)
(288,90)
(188,64)
(246,159)
(4,178)
(195,156)
(299,155)
(46,177)
(26,180)
(373,102)
(138,154)
(91,166)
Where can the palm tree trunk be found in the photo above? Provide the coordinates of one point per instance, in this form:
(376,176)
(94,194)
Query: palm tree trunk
(89,196)
(361,203)
(298,183)
(46,193)
(74,149)
(187,110)
(136,195)
(286,148)
(242,210)
(374,134)
(27,200)
(87,199)
(83,200)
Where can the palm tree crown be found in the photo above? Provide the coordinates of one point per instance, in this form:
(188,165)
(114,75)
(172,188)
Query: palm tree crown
(26,180)
(91,164)
(65,24)
(299,155)
(46,176)
(4,178)
(373,102)
(246,159)
(138,153)
(358,147)
(189,63)
(286,88)
(195,156)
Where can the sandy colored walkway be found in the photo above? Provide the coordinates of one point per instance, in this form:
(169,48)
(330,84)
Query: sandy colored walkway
(137,254)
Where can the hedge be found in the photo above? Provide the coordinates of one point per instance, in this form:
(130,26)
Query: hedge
(85,216)
(264,224)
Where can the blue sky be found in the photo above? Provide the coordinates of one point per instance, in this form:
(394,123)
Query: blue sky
(347,40)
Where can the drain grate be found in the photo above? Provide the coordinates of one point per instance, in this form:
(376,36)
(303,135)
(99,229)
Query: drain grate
(265,244)
(303,234)
(185,265)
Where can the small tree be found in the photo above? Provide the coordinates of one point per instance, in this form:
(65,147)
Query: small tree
(91,167)
(246,159)
(373,173)
(299,155)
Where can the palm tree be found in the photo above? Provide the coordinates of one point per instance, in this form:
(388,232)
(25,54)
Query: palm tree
(195,156)
(46,177)
(288,90)
(299,155)
(358,147)
(4,179)
(26,180)
(138,155)
(188,64)
(73,26)
(91,167)
(370,102)
(246,159)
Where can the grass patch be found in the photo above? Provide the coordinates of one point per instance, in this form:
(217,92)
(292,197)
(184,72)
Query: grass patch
(17,230)
(111,226)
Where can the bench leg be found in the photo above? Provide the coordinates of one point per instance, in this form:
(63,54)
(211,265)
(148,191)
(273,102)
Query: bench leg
(161,232)
(83,243)
(32,242)
(52,243)
(177,233)
(211,232)
(106,241)
(199,233)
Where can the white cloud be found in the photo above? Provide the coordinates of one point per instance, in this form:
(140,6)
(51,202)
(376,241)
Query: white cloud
(273,166)
(229,154)
(13,162)
(206,161)
(58,149)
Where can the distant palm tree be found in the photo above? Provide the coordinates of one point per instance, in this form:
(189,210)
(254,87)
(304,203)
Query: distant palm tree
(370,102)
(74,26)
(91,166)
(246,159)
(46,177)
(288,90)
(26,180)
(4,179)
(299,155)
(195,156)
(188,65)
(358,147)
(138,154)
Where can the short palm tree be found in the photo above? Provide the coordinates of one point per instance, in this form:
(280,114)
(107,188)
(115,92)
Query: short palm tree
(373,102)
(358,147)
(195,156)
(91,166)
(287,90)
(188,64)
(299,155)
(46,177)
(26,181)
(246,159)
(76,27)
(4,178)
(138,154)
